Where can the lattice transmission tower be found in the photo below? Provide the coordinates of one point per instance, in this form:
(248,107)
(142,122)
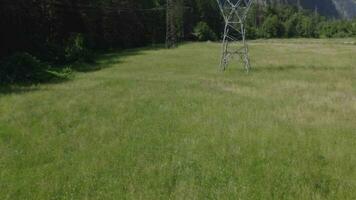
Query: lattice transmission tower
(171,30)
(234,13)
(174,13)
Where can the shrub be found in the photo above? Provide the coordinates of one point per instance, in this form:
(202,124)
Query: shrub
(272,28)
(290,26)
(76,49)
(24,68)
(306,27)
(203,32)
(60,74)
(252,32)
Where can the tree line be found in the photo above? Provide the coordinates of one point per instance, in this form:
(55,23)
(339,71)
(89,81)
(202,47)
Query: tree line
(50,35)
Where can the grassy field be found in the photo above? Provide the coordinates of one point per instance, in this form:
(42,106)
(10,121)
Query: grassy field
(165,124)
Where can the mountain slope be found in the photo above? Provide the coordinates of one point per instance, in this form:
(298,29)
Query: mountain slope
(346,8)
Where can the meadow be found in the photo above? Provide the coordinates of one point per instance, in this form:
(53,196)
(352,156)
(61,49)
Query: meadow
(154,123)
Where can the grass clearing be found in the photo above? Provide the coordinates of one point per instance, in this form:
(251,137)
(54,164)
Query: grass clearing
(164,124)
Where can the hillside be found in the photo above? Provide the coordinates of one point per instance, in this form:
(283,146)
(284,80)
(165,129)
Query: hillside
(329,8)
(347,8)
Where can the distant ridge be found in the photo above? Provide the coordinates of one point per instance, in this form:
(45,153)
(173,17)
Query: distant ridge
(346,8)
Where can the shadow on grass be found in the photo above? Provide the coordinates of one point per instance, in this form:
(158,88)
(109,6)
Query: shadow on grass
(20,88)
(16,89)
(108,58)
(112,57)
(103,59)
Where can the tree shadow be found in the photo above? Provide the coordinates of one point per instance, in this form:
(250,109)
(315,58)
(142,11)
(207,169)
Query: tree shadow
(108,58)
(16,89)
(103,59)
(113,57)
(20,88)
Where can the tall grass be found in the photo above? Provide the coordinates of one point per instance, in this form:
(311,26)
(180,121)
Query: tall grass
(165,124)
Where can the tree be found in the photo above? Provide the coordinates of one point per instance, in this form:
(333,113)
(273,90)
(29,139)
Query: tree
(306,27)
(203,32)
(271,27)
(290,26)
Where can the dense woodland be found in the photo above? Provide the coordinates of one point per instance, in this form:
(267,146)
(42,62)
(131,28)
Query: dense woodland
(40,39)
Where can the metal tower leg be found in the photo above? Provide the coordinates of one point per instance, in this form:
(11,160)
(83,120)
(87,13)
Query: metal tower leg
(245,53)
(234,39)
(224,55)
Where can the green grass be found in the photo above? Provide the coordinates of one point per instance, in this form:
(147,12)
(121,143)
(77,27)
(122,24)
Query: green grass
(165,124)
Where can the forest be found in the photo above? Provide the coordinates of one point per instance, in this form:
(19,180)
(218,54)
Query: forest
(49,35)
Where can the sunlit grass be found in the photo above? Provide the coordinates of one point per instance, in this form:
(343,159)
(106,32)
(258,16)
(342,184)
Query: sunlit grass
(165,124)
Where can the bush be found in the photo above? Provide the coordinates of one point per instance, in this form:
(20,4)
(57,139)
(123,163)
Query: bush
(76,49)
(203,32)
(306,27)
(272,28)
(290,26)
(252,32)
(24,68)
(61,74)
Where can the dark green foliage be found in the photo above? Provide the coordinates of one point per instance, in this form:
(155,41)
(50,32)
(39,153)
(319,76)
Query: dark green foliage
(48,30)
(272,28)
(24,68)
(283,21)
(60,74)
(289,22)
(76,49)
(290,26)
(203,32)
(44,28)
(306,27)
(340,28)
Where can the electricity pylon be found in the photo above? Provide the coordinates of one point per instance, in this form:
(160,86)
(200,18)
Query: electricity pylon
(175,21)
(234,13)
(171,30)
